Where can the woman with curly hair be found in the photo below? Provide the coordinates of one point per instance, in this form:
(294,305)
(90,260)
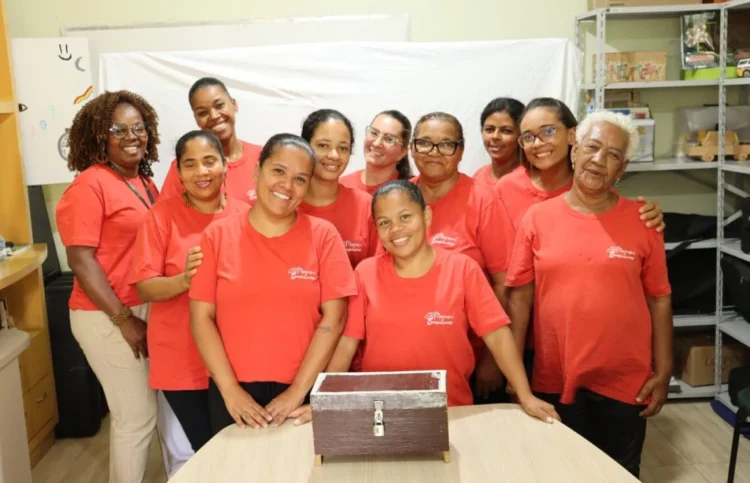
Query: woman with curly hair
(113,142)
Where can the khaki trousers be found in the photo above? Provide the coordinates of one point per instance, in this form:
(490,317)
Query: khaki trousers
(132,404)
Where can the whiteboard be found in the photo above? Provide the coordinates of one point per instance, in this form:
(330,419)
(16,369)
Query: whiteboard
(53,81)
(170,37)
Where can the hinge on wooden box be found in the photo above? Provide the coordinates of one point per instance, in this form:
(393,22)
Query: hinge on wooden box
(378,428)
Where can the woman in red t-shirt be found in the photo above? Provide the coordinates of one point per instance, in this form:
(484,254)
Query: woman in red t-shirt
(113,141)
(499,122)
(269,300)
(165,259)
(215,111)
(548,130)
(466,218)
(331,136)
(597,278)
(415,306)
(386,153)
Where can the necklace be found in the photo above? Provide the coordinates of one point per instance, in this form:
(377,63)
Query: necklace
(132,188)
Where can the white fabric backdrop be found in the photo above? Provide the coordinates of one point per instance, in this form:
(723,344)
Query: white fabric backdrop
(277,86)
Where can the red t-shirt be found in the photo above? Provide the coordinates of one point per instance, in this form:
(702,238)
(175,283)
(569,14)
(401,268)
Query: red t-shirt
(483,176)
(268,291)
(240,182)
(591,273)
(518,193)
(423,323)
(351,214)
(169,231)
(470,220)
(354,181)
(99,210)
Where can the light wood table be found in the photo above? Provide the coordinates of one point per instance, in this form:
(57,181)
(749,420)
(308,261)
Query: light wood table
(491,443)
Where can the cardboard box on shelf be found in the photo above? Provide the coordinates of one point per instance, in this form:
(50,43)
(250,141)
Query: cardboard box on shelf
(634,66)
(639,3)
(694,359)
(622,99)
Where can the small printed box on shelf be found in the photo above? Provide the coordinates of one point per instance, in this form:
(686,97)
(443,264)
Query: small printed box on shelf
(646,131)
(634,67)
(363,413)
(694,359)
(638,3)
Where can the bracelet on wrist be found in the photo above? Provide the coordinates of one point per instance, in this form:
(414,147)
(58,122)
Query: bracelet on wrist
(120,317)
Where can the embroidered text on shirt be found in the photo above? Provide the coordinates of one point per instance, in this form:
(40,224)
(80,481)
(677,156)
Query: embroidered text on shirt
(440,239)
(619,252)
(299,273)
(436,318)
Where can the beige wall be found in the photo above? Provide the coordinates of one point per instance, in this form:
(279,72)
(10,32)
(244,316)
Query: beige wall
(431,20)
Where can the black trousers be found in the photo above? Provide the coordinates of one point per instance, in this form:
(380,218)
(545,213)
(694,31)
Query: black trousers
(191,409)
(612,426)
(500,395)
(262,392)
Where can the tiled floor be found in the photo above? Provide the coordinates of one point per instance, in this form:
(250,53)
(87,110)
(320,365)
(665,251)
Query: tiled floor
(686,443)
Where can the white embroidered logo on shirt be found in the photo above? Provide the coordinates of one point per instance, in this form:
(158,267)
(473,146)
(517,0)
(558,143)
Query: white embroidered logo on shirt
(436,318)
(353,246)
(299,273)
(440,239)
(619,252)
(252,195)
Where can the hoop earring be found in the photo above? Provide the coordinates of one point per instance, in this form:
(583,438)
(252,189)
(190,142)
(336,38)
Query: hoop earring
(617,182)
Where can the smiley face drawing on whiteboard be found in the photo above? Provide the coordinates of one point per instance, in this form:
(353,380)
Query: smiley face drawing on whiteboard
(66,56)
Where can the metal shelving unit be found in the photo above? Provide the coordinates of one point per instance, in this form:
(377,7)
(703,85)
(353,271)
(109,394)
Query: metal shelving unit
(731,323)
(724,323)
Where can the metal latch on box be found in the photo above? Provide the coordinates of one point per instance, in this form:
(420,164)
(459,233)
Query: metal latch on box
(379,428)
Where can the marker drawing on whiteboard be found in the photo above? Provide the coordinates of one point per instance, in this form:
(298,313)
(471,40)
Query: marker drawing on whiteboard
(52,110)
(22,107)
(78,64)
(43,125)
(62,55)
(84,96)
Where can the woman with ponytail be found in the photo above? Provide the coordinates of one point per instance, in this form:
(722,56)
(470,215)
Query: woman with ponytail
(386,153)
(331,136)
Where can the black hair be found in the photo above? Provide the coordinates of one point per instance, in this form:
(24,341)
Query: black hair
(316,118)
(402,166)
(564,115)
(179,150)
(442,116)
(282,140)
(513,107)
(204,82)
(399,185)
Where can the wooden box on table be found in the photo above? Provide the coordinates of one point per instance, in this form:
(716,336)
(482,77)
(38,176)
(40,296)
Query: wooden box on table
(372,413)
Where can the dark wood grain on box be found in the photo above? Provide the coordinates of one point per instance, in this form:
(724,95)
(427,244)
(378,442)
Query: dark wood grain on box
(349,432)
(379,382)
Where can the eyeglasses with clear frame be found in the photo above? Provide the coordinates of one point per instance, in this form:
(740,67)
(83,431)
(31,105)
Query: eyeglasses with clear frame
(389,140)
(446,148)
(546,135)
(120,131)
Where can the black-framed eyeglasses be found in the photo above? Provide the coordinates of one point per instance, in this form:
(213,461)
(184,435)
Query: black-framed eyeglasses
(120,131)
(446,148)
(545,135)
(388,139)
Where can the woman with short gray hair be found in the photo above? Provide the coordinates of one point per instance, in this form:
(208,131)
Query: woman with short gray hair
(597,277)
